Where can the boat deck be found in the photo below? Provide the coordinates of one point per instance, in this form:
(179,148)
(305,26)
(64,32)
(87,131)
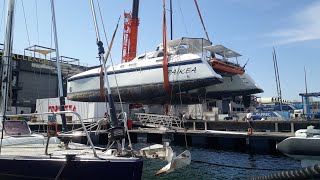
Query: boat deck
(55,151)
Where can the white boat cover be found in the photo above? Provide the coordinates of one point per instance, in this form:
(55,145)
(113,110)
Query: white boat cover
(222,51)
(196,45)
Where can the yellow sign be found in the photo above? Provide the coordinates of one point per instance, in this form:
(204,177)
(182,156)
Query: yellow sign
(19,57)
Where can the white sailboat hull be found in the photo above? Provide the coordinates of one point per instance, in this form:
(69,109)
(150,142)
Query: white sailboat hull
(141,81)
(234,86)
(237,85)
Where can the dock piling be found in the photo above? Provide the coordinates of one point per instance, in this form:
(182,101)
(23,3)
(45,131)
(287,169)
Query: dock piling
(292,127)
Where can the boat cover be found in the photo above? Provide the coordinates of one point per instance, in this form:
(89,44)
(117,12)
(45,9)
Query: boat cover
(222,51)
(196,45)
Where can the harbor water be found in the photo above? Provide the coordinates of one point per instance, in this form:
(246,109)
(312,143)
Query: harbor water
(218,164)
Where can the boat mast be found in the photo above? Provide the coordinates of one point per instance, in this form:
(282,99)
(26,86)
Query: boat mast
(6,59)
(114,121)
(165,52)
(117,131)
(6,65)
(276,73)
(60,88)
(305,99)
(171,20)
(199,13)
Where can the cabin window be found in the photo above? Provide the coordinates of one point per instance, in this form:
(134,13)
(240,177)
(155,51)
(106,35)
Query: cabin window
(134,64)
(121,66)
(160,54)
(182,49)
(142,56)
(16,128)
(160,60)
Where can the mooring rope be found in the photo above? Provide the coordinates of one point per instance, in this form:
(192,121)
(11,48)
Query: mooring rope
(61,169)
(311,172)
(238,167)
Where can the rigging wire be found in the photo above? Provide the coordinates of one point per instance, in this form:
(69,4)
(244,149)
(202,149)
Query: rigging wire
(105,35)
(25,22)
(183,118)
(204,27)
(40,69)
(36,2)
(40,74)
(184,23)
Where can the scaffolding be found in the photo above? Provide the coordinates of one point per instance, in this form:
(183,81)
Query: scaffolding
(39,50)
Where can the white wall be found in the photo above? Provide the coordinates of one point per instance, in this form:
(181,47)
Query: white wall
(89,111)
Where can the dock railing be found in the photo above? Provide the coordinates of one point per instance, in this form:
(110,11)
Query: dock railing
(259,126)
(154,120)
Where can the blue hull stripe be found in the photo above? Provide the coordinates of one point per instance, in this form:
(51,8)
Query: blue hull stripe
(196,61)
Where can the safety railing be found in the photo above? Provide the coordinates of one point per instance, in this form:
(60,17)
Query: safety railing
(155,120)
(59,113)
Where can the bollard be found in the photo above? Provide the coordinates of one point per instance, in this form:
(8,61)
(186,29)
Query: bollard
(276,128)
(205,125)
(194,125)
(292,127)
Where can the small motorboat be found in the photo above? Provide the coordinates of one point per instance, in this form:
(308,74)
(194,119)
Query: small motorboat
(304,146)
(223,66)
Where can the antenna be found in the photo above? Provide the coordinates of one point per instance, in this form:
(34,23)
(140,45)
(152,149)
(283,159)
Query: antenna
(245,63)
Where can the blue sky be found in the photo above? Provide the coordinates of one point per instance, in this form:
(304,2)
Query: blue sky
(250,27)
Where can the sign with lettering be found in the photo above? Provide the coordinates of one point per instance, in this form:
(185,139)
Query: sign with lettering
(265,114)
(19,57)
(273,114)
(183,71)
(56,108)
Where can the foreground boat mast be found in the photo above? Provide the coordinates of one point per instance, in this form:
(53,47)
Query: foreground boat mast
(60,90)
(116,132)
(6,64)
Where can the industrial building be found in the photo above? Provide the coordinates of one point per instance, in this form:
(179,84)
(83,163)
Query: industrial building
(34,76)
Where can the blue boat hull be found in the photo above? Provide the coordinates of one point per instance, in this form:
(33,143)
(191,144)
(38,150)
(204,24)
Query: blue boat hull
(74,169)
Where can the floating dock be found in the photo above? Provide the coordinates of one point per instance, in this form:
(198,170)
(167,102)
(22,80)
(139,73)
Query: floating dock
(223,135)
(258,142)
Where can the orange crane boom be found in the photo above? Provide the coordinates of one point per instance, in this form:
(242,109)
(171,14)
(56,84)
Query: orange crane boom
(130,33)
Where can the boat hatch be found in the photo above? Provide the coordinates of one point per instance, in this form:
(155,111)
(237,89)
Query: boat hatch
(16,128)
(222,51)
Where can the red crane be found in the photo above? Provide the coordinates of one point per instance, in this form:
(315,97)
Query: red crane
(130,33)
